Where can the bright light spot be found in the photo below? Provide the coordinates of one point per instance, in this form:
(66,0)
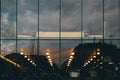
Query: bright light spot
(28,59)
(72,53)
(31,61)
(98,53)
(48,57)
(47,53)
(25,56)
(94,56)
(91,59)
(21,53)
(69,61)
(71,57)
(88,61)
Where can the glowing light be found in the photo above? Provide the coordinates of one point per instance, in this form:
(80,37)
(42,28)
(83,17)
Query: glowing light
(48,57)
(21,53)
(98,49)
(25,56)
(28,59)
(71,57)
(69,61)
(94,56)
(88,61)
(98,53)
(47,53)
(72,53)
(31,61)
(91,59)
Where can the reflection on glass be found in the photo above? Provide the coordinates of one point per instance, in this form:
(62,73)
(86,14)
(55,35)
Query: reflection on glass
(112,19)
(70,19)
(29,47)
(27,19)
(8,19)
(8,47)
(93,19)
(52,46)
(49,19)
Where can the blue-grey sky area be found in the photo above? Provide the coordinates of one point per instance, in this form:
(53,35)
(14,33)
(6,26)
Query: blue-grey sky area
(49,20)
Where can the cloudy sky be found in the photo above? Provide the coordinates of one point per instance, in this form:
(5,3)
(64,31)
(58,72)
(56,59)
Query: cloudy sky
(49,17)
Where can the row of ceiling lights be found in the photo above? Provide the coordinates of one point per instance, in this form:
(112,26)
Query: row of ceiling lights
(28,59)
(49,58)
(70,59)
(92,57)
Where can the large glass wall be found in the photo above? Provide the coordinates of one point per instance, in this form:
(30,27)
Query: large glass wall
(57,26)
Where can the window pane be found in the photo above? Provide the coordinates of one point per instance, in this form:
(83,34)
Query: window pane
(8,47)
(52,46)
(49,19)
(93,19)
(29,47)
(70,19)
(112,19)
(8,19)
(27,18)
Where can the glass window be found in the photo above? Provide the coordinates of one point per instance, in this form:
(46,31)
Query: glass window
(27,19)
(8,47)
(112,19)
(8,19)
(92,19)
(48,19)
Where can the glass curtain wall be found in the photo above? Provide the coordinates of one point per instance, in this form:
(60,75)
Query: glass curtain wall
(57,26)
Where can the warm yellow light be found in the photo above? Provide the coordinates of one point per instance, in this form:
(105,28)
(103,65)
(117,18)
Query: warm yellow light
(50,61)
(31,61)
(48,57)
(91,59)
(72,53)
(98,53)
(88,61)
(28,59)
(25,56)
(71,57)
(98,49)
(94,56)
(69,61)
(21,53)
(47,53)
